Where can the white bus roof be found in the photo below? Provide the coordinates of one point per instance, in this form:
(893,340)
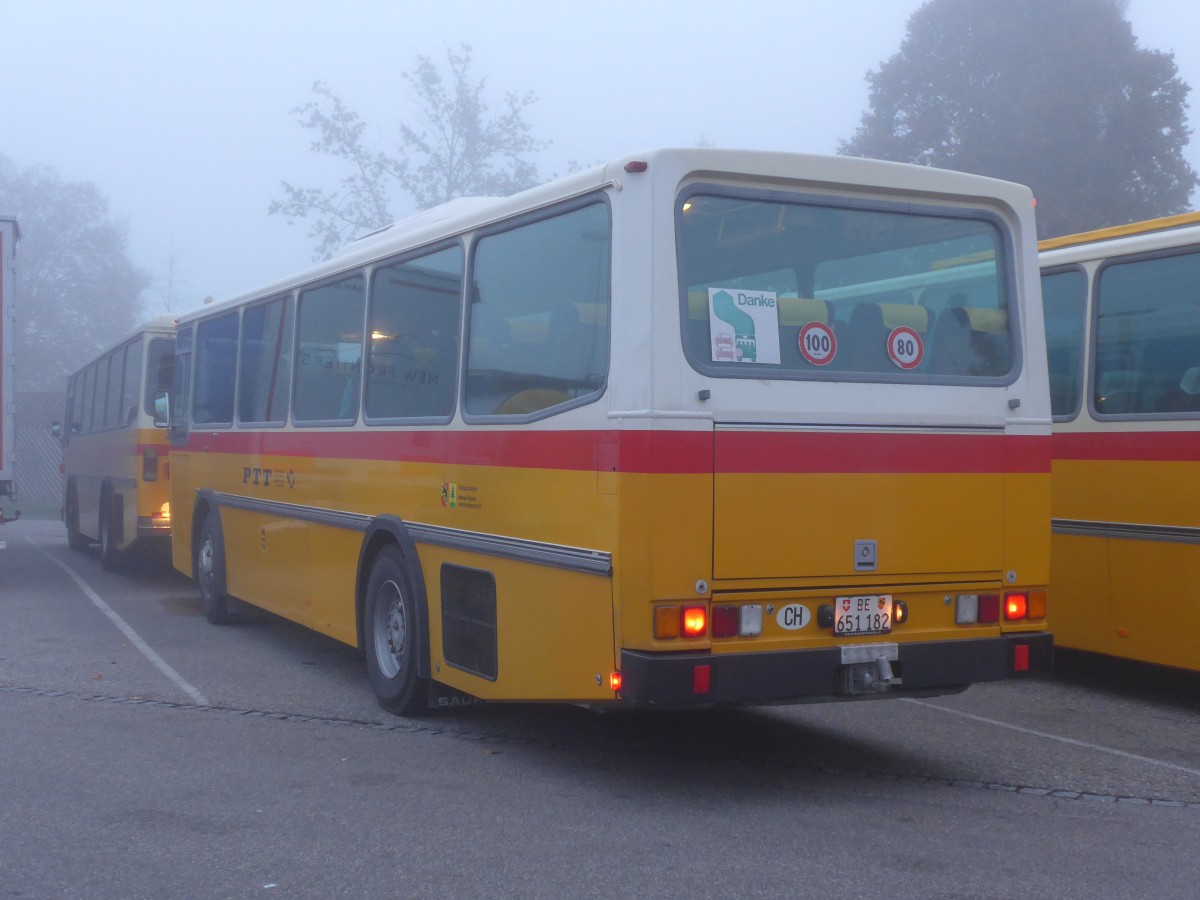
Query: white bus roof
(825,172)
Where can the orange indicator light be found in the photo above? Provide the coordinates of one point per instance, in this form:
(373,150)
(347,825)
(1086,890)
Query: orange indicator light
(614,681)
(1037,604)
(666,622)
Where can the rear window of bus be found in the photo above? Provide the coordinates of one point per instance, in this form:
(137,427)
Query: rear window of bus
(789,288)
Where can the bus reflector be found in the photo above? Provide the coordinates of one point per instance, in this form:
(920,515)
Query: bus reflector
(1037,604)
(614,681)
(1016,606)
(666,622)
(725,621)
(1021,658)
(701,679)
(695,621)
(989,609)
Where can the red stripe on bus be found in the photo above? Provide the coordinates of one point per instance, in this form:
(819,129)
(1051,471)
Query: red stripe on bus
(1149,446)
(655,452)
(872,452)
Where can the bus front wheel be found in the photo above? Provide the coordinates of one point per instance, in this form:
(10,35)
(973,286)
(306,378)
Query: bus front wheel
(393,643)
(210,571)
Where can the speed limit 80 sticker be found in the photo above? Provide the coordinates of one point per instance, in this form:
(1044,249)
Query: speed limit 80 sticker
(905,347)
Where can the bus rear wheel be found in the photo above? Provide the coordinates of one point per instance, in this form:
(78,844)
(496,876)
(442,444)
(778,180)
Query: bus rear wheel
(393,644)
(76,540)
(110,557)
(210,571)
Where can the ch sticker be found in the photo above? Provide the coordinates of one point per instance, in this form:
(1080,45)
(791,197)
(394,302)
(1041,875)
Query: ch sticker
(449,494)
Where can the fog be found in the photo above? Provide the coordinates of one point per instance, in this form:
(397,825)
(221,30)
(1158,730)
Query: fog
(180,112)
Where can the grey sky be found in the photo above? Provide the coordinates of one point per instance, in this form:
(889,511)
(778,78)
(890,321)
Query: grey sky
(179,111)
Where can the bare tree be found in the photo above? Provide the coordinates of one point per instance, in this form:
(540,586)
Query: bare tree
(453,148)
(78,291)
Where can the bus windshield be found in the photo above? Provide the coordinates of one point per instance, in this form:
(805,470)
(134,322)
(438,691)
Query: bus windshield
(790,289)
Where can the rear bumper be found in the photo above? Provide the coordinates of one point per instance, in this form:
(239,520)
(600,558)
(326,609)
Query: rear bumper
(924,668)
(149,528)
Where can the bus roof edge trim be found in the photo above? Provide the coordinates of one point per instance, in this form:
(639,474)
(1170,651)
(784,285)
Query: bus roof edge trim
(1116,231)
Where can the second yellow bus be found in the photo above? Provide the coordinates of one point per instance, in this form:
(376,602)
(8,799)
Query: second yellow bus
(689,428)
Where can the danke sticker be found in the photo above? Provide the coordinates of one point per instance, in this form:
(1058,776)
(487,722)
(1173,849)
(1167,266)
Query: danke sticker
(744,325)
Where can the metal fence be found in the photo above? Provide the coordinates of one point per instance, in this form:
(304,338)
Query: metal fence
(36,474)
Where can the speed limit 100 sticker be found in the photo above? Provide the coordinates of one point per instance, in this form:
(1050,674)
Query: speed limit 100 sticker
(817,343)
(905,347)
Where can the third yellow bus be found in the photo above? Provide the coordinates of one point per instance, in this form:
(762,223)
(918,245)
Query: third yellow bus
(1122,312)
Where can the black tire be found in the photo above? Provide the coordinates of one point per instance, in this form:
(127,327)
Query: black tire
(210,571)
(391,637)
(75,540)
(111,559)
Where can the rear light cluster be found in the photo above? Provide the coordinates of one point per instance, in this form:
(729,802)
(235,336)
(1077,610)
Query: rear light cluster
(744,620)
(680,621)
(150,464)
(986,609)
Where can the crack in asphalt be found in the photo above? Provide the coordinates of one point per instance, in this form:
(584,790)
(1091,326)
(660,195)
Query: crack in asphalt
(500,739)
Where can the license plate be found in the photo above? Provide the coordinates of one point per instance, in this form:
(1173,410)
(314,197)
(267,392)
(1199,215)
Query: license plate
(869,614)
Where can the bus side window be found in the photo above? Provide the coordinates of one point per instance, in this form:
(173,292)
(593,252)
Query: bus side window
(552,355)
(329,351)
(412,354)
(216,365)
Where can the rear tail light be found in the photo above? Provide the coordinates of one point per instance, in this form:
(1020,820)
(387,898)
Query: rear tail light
(680,621)
(1016,606)
(695,621)
(150,464)
(614,681)
(989,609)
(727,621)
(724,621)
(970,609)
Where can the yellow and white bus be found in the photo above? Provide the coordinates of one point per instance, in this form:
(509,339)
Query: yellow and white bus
(694,427)
(1122,310)
(115,489)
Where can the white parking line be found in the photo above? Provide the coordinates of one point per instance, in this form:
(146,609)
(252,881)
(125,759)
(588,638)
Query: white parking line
(134,638)
(1055,737)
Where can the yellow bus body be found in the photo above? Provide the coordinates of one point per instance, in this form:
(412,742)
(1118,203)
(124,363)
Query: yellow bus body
(1126,498)
(116,491)
(667,488)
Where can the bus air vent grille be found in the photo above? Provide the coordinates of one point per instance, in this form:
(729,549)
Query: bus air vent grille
(469,620)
